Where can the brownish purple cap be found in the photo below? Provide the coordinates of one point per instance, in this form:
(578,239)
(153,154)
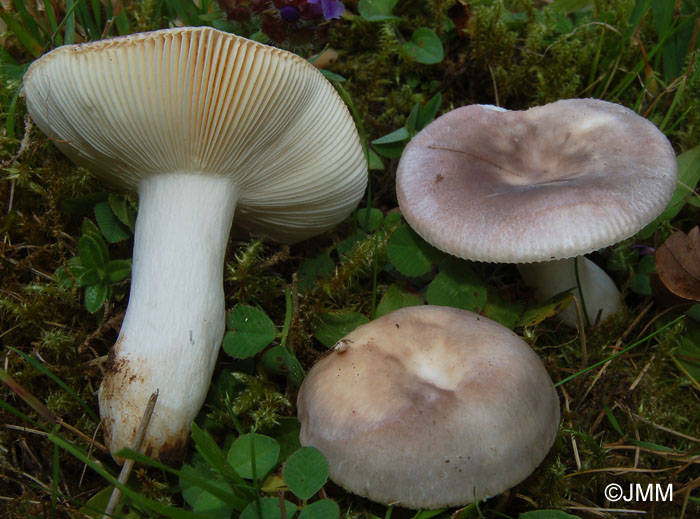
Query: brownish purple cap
(551,182)
(429,407)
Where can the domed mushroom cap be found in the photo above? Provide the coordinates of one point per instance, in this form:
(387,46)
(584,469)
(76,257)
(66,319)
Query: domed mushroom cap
(551,182)
(429,407)
(200,100)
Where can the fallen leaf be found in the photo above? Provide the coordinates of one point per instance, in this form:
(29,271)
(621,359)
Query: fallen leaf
(678,264)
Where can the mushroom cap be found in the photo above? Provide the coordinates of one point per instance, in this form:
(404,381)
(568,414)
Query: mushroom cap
(201,100)
(429,407)
(552,182)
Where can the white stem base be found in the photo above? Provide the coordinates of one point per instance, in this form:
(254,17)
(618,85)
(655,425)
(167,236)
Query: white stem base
(553,277)
(175,320)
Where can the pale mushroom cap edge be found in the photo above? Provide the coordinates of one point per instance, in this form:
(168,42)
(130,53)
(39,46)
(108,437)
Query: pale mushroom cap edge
(552,182)
(205,101)
(429,407)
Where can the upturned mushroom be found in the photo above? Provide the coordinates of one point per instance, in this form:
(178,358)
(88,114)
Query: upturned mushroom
(203,125)
(429,407)
(533,187)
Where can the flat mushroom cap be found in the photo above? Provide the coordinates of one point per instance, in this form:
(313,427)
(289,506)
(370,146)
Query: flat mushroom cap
(551,182)
(199,100)
(429,407)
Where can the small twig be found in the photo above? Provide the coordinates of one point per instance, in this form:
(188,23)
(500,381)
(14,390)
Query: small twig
(677,456)
(35,271)
(581,330)
(283,509)
(642,373)
(24,143)
(277,257)
(81,434)
(108,324)
(637,452)
(606,510)
(12,196)
(295,312)
(686,493)
(693,192)
(601,415)
(574,445)
(9,330)
(577,457)
(666,429)
(495,86)
(525,498)
(620,352)
(596,378)
(108,26)
(617,471)
(590,24)
(97,361)
(26,429)
(687,373)
(129,464)
(63,424)
(582,299)
(14,498)
(616,347)
(92,443)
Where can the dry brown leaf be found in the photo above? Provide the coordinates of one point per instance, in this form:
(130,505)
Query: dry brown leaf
(678,264)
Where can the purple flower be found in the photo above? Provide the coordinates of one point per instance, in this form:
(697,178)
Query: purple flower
(289,13)
(644,250)
(330,8)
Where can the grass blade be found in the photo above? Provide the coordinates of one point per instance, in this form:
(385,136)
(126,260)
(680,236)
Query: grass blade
(25,395)
(69,22)
(622,351)
(7,407)
(54,482)
(227,497)
(25,38)
(85,19)
(136,497)
(96,11)
(216,459)
(58,381)
(58,40)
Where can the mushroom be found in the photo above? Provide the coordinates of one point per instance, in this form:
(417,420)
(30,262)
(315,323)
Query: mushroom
(550,183)
(202,124)
(429,407)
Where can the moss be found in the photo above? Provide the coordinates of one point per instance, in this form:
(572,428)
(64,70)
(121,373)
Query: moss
(252,272)
(256,402)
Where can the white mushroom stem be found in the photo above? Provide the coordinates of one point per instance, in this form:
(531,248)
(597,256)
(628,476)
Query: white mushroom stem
(600,295)
(176,315)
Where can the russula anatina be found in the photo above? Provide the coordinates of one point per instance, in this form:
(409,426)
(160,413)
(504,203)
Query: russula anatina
(202,124)
(429,407)
(531,187)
